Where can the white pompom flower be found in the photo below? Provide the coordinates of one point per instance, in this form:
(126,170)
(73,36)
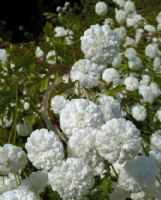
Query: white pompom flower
(110,107)
(44,149)
(58,102)
(139,112)
(80,113)
(72,180)
(131,83)
(137,175)
(21,193)
(86,72)
(152,51)
(155,146)
(100,44)
(120,16)
(3,56)
(111,75)
(101,8)
(129,7)
(12,159)
(82,145)
(158,114)
(120,140)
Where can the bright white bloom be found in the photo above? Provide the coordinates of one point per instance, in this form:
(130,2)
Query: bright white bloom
(129,42)
(131,83)
(158,114)
(117,61)
(80,113)
(101,8)
(138,35)
(137,175)
(51,57)
(20,193)
(39,53)
(120,33)
(58,102)
(135,21)
(129,7)
(138,112)
(150,92)
(135,63)
(23,129)
(159,18)
(72,180)
(82,145)
(100,44)
(36,182)
(120,3)
(111,75)
(110,107)
(152,51)
(119,140)
(145,79)
(120,16)
(26,106)
(3,55)
(157,64)
(159,27)
(130,53)
(61,31)
(149,28)
(12,159)
(44,149)
(86,72)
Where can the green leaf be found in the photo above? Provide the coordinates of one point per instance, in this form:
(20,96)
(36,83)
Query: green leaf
(44,84)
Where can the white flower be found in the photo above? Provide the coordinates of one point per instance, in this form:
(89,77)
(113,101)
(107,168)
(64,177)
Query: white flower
(138,174)
(145,79)
(119,140)
(129,7)
(129,42)
(12,159)
(20,193)
(150,92)
(120,33)
(135,63)
(134,21)
(152,50)
(44,148)
(159,27)
(100,44)
(80,113)
(131,83)
(149,28)
(158,114)
(120,16)
(157,64)
(36,182)
(138,112)
(23,129)
(117,61)
(158,19)
(86,72)
(130,53)
(39,53)
(120,3)
(110,107)
(82,145)
(58,102)
(101,8)
(3,55)
(26,106)
(138,35)
(111,75)
(155,146)
(51,57)
(60,31)
(72,180)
